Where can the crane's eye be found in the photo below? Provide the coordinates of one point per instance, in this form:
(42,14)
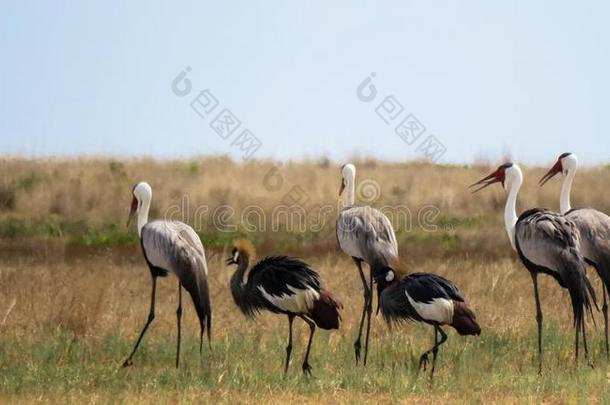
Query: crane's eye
(389,276)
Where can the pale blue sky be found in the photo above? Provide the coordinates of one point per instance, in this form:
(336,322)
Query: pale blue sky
(527,78)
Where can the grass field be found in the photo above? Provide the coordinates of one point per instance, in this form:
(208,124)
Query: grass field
(74,289)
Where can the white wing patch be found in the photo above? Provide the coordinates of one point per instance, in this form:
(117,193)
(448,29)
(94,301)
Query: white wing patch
(439,310)
(299,302)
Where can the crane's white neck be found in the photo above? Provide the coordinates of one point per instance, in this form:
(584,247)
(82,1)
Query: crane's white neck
(143,214)
(566,189)
(510,210)
(350,189)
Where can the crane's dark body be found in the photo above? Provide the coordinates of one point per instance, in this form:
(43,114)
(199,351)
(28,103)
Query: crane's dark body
(286,286)
(594,228)
(427,298)
(174,247)
(548,243)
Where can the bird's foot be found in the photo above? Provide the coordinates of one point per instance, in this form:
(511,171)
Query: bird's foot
(423,361)
(357,348)
(128,363)
(307,369)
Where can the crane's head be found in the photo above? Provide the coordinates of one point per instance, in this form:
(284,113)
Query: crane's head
(348,176)
(383,278)
(506,174)
(566,163)
(243,249)
(141,193)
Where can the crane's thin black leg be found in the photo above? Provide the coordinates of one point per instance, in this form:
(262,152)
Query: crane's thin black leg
(179,316)
(538,320)
(369,311)
(312,329)
(289,347)
(151,316)
(367,294)
(605,311)
(577,328)
(584,341)
(423,360)
(200,338)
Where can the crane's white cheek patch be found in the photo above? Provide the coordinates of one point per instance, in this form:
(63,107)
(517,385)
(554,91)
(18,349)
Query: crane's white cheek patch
(298,301)
(438,310)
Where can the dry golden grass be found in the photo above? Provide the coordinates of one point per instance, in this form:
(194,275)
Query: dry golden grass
(90,310)
(98,190)
(69,313)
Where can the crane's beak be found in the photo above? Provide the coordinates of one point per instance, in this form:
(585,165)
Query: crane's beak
(342,187)
(230,261)
(495,177)
(132,211)
(557,168)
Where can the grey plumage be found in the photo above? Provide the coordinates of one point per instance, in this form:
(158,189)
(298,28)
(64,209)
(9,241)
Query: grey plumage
(367,234)
(546,242)
(549,242)
(594,228)
(593,225)
(172,247)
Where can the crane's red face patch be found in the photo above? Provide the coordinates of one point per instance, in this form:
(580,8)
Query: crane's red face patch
(132,211)
(134,204)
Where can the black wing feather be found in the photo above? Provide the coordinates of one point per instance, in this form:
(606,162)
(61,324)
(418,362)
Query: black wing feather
(424,287)
(276,273)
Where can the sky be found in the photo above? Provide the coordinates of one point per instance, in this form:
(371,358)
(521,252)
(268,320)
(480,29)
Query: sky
(476,80)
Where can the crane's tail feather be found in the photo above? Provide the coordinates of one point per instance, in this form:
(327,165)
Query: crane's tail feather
(325,311)
(199,292)
(591,293)
(464,320)
(582,295)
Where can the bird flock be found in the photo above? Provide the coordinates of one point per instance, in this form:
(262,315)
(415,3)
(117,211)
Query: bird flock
(559,244)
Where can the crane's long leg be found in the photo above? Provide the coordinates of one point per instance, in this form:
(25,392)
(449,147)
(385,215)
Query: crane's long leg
(151,316)
(605,311)
(312,329)
(367,295)
(538,320)
(179,316)
(369,311)
(289,347)
(584,341)
(423,360)
(577,328)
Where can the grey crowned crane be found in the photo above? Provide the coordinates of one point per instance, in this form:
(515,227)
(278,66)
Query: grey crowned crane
(428,298)
(172,247)
(283,285)
(546,242)
(366,235)
(594,227)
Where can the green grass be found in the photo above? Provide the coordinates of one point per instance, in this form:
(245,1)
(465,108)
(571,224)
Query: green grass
(492,366)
